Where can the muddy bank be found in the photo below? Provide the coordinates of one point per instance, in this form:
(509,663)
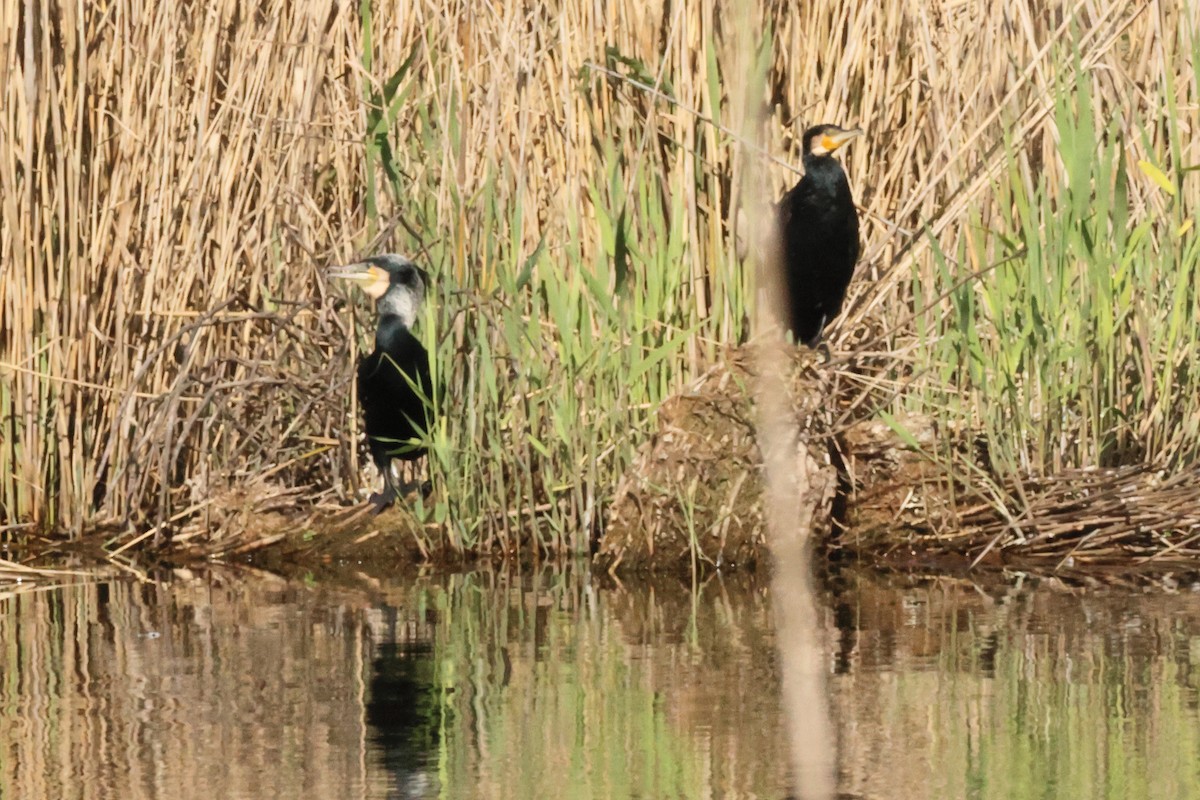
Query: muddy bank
(692,499)
(895,493)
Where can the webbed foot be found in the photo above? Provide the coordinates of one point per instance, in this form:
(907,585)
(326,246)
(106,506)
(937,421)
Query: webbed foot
(380,501)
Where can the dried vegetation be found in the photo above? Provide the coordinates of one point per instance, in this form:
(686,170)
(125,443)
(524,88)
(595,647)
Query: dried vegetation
(173,178)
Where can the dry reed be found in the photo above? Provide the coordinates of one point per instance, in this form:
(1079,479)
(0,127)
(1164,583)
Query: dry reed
(173,177)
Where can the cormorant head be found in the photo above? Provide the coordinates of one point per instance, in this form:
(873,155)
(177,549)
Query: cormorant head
(396,284)
(822,140)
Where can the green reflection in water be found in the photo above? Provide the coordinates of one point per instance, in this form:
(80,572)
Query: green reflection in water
(1009,691)
(490,685)
(480,685)
(570,691)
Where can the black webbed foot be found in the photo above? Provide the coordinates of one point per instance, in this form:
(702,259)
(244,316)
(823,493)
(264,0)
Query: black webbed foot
(380,501)
(405,488)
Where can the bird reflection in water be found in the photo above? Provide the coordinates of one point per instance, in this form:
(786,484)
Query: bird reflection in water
(404,715)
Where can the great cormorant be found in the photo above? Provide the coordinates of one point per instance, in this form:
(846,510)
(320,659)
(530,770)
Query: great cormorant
(393,381)
(819,234)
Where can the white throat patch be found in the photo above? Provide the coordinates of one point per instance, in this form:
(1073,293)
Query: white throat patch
(403,302)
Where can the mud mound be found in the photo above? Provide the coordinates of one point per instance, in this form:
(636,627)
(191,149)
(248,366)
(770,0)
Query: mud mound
(694,491)
(693,495)
(892,496)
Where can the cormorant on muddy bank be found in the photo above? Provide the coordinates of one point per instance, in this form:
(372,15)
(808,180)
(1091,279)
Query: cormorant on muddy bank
(394,384)
(819,235)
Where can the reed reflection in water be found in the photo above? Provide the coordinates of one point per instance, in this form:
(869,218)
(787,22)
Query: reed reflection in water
(479,685)
(245,685)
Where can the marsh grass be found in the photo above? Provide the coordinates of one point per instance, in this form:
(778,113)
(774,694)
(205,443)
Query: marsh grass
(1075,347)
(173,181)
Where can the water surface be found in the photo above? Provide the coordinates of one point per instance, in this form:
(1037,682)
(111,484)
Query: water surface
(557,684)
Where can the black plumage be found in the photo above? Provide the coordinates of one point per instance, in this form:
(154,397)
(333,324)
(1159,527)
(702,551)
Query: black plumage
(819,236)
(394,383)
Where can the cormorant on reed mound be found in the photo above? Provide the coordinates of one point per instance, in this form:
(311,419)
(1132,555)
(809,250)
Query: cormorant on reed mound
(394,385)
(819,233)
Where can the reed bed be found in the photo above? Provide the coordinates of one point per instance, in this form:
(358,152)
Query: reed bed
(1123,515)
(173,180)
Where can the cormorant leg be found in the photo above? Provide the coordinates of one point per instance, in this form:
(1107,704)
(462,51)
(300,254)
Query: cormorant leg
(381,500)
(817,338)
(425,487)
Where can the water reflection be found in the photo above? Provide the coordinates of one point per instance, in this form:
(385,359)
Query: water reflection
(1024,688)
(403,711)
(245,685)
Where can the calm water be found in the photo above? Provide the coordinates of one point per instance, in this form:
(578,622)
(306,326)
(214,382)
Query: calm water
(558,685)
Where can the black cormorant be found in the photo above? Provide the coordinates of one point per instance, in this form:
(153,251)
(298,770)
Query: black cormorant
(819,234)
(394,384)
